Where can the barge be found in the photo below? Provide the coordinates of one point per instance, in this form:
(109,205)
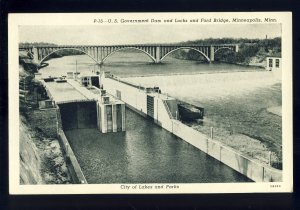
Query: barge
(188,112)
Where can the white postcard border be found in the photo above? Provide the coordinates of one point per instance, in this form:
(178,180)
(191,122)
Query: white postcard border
(15,20)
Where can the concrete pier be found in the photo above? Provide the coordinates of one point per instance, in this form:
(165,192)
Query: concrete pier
(74,99)
(111,115)
(82,106)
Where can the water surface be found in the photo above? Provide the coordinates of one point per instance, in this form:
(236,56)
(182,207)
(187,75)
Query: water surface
(145,153)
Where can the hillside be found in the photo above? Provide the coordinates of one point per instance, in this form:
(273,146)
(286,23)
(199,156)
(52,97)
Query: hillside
(57,54)
(41,158)
(251,51)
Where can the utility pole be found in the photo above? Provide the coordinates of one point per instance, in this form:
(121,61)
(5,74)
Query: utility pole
(266,43)
(76,70)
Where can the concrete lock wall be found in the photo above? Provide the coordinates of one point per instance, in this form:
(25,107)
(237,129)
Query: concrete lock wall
(130,95)
(190,135)
(242,164)
(78,115)
(86,114)
(68,114)
(71,161)
(272,174)
(232,158)
(111,117)
(172,104)
(137,99)
(162,118)
(245,165)
(58,120)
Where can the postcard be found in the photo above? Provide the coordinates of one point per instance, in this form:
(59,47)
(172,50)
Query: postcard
(150,103)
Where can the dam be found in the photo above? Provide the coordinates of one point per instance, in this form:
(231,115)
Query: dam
(150,117)
(141,154)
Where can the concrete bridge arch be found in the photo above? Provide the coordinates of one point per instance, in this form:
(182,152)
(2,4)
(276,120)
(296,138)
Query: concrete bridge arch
(191,48)
(124,48)
(222,48)
(61,49)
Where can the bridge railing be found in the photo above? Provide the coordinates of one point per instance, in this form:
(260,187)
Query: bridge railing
(132,45)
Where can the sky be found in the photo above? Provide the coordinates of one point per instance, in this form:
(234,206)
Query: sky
(143,34)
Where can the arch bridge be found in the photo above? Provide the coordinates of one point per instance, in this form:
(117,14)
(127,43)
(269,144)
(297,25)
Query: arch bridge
(100,53)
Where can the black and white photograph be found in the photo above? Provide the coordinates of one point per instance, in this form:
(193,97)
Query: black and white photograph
(150,103)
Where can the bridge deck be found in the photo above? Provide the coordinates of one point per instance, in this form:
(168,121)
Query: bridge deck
(64,92)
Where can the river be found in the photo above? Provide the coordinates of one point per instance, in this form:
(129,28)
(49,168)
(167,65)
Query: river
(145,152)
(137,64)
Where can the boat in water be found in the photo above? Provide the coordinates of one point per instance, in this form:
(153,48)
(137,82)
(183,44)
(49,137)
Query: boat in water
(189,112)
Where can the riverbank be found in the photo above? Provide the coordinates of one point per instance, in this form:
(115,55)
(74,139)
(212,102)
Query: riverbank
(46,164)
(252,52)
(257,61)
(41,158)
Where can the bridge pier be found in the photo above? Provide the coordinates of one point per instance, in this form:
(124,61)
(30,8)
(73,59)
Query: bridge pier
(35,55)
(212,54)
(236,48)
(157,54)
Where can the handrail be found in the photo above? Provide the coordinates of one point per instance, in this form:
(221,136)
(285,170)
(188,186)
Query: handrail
(127,83)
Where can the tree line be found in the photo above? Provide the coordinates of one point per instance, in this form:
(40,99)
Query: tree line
(57,54)
(248,48)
